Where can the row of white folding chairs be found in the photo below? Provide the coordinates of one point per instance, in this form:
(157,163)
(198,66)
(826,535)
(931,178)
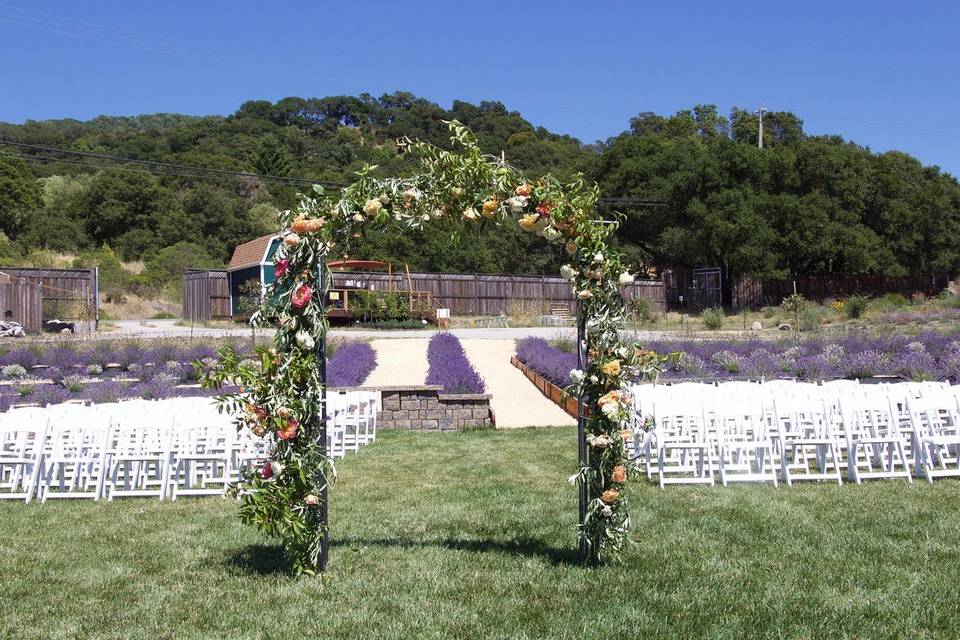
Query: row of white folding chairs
(167,448)
(814,432)
(128,449)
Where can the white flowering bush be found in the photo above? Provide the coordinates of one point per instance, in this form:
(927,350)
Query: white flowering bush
(13,371)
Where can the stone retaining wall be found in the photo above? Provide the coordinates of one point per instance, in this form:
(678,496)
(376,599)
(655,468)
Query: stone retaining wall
(427,408)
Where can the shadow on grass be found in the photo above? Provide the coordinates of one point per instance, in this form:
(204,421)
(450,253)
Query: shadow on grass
(259,559)
(524,547)
(263,559)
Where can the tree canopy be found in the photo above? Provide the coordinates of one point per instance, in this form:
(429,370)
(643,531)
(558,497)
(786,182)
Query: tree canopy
(801,204)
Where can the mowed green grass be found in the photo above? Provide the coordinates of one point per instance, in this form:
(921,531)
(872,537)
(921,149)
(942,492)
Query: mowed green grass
(470,535)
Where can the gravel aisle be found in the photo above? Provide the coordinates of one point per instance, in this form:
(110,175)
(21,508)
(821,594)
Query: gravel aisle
(516,402)
(400,361)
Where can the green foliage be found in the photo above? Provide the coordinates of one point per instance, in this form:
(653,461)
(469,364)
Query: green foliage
(382,306)
(713,318)
(890,302)
(114,279)
(163,272)
(795,305)
(642,310)
(811,317)
(854,306)
(20,193)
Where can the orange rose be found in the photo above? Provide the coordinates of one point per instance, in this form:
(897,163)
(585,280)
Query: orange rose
(613,396)
(611,368)
(312,226)
(524,190)
(528,222)
(619,475)
(490,207)
(299,225)
(610,496)
(289,431)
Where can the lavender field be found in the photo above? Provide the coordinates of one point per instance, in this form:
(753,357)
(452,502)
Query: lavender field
(926,356)
(107,372)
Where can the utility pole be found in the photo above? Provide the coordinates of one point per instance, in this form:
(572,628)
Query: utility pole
(762,110)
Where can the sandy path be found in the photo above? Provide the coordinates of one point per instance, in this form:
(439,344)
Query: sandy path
(400,361)
(516,402)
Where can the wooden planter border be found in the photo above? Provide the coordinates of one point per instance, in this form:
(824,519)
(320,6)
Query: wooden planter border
(547,388)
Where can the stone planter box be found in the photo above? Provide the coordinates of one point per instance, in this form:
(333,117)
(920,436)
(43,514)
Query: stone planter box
(547,388)
(427,408)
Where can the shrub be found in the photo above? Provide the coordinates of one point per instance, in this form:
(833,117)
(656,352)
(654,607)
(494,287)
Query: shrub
(855,306)
(889,301)
(350,365)
(14,371)
(865,364)
(567,344)
(728,360)
(94,369)
(643,310)
(72,383)
(795,305)
(811,317)
(713,318)
(761,364)
(449,366)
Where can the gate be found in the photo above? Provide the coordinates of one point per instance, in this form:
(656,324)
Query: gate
(706,290)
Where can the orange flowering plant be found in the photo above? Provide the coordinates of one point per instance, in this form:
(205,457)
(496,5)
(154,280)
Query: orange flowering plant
(281,397)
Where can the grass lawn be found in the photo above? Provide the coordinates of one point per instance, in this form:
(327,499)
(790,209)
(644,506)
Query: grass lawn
(470,535)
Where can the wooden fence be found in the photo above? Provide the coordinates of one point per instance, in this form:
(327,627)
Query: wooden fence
(748,291)
(21,301)
(69,295)
(489,295)
(206,295)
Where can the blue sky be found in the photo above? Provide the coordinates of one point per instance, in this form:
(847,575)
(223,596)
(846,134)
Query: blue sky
(881,73)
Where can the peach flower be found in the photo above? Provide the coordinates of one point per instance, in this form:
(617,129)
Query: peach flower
(619,474)
(610,496)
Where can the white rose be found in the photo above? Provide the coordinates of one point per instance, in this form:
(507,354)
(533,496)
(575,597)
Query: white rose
(610,409)
(568,272)
(384,198)
(372,207)
(550,233)
(437,213)
(626,278)
(517,204)
(598,257)
(577,376)
(411,194)
(305,340)
(594,379)
(277,468)
(358,217)
(425,217)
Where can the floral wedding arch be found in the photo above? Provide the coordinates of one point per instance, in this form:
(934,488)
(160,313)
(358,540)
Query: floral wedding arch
(282,394)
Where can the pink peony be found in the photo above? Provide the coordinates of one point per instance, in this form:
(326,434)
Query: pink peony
(280,268)
(301,296)
(289,431)
(267,471)
(311,499)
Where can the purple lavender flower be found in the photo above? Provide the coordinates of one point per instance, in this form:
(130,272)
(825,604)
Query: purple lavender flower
(449,366)
(551,363)
(46,394)
(62,358)
(23,357)
(866,364)
(915,365)
(350,364)
(761,364)
(106,391)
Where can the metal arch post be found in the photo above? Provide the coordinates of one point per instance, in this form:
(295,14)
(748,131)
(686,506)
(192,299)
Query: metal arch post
(583,458)
(321,355)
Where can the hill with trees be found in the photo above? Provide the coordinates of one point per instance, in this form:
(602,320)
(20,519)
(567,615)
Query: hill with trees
(801,204)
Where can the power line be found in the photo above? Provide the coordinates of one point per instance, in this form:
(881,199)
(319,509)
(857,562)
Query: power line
(168,165)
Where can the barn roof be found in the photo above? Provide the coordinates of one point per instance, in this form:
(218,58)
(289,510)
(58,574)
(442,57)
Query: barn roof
(250,254)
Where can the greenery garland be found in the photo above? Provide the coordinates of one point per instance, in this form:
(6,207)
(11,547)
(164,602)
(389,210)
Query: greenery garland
(280,393)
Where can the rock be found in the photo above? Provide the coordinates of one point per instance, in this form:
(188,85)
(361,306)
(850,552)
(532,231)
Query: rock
(757,325)
(783,326)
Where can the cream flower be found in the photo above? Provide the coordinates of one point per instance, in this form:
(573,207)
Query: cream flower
(305,340)
(372,207)
(586,294)
(411,194)
(291,240)
(277,468)
(358,217)
(577,376)
(425,217)
(626,278)
(470,214)
(437,213)
(528,222)
(568,272)
(598,257)
(384,198)
(551,233)
(517,204)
